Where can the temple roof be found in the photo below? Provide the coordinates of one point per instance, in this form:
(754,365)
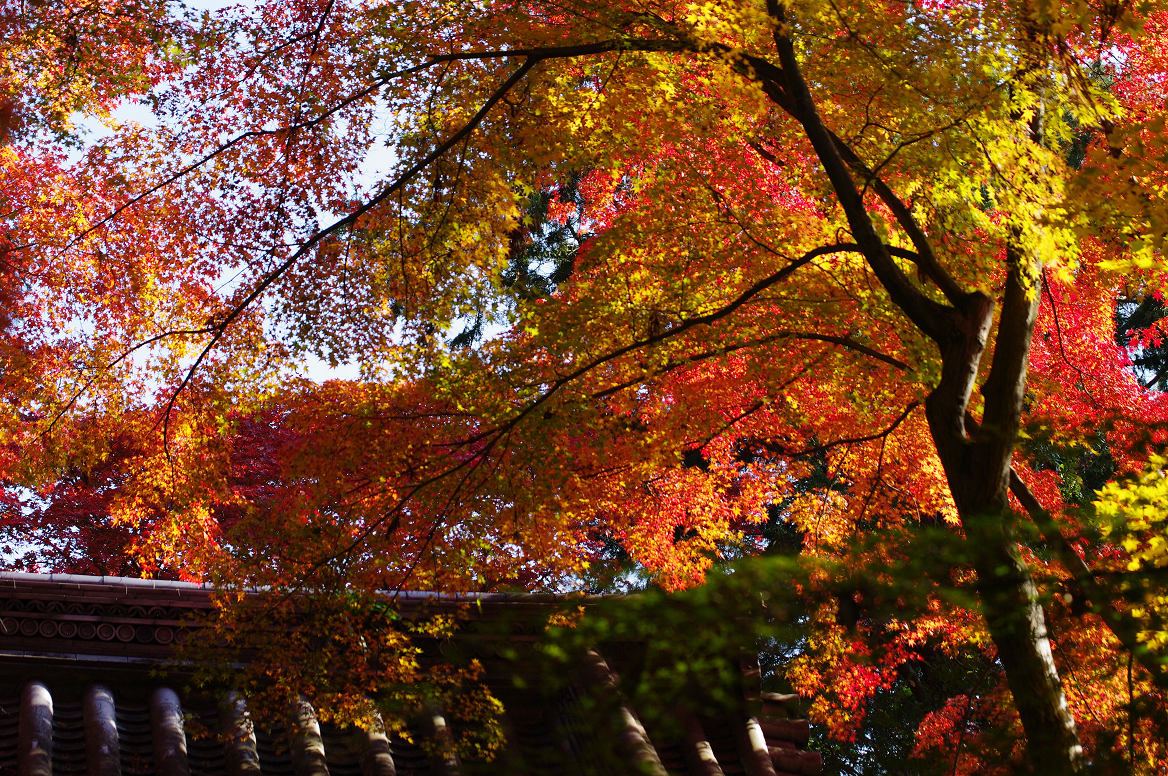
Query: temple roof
(88,686)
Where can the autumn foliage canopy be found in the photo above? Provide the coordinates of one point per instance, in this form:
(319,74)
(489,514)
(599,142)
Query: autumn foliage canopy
(350,295)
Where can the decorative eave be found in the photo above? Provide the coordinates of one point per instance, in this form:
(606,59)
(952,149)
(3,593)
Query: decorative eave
(82,664)
(94,619)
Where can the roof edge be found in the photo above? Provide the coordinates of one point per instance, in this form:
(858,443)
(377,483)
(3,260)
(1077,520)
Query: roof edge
(12,579)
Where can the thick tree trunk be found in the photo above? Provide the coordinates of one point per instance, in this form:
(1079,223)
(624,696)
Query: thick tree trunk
(1017,623)
(977,466)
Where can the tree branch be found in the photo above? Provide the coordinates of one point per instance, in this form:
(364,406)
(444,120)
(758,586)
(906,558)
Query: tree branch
(935,320)
(1092,594)
(269,278)
(780,450)
(925,259)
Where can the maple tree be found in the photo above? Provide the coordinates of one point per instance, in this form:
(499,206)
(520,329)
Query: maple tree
(638,280)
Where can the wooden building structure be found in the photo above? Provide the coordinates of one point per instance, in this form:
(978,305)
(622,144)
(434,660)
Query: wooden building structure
(87,689)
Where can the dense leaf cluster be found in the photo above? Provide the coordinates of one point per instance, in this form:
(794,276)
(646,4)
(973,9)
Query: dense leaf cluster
(557,296)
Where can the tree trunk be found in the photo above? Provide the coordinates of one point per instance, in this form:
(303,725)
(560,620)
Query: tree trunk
(977,464)
(1014,616)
